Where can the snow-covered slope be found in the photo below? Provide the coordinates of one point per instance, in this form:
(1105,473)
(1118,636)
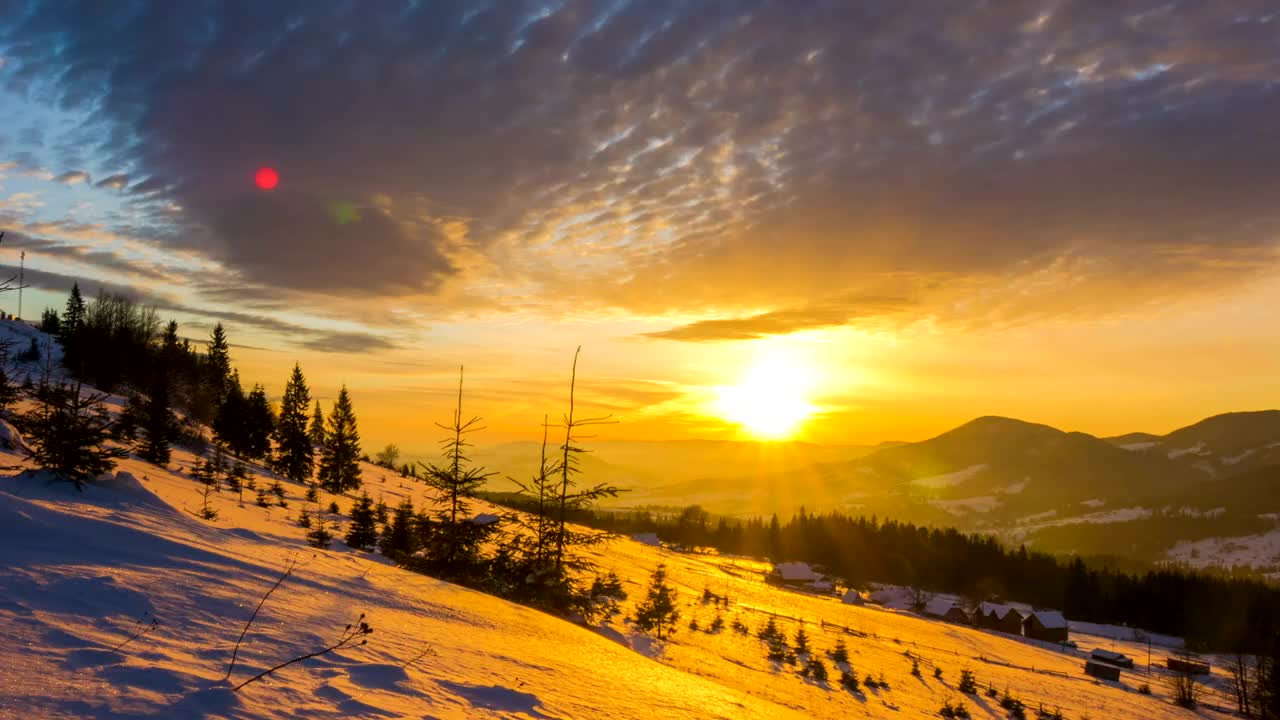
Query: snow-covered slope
(79,572)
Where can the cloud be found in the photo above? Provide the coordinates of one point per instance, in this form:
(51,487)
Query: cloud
(783,322)
(683,158)
(115,182)
(73,177)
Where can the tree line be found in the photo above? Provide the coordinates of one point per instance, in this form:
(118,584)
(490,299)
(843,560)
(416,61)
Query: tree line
(1208,610)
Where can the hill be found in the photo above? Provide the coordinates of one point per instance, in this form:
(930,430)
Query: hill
(85,571)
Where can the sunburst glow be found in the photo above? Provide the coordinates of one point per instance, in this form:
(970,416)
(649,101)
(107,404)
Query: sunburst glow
(771,398)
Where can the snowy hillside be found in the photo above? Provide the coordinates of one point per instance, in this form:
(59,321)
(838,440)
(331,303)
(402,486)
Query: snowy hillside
(82,572)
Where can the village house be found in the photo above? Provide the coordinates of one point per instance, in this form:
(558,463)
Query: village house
(948,610)
(1106,671)
(794,575)
(1003,618)
(1047,625)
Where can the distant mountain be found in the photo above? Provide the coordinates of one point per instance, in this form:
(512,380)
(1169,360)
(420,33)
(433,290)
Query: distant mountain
(1220,446)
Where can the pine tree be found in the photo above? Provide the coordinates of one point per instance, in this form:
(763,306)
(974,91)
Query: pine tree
(8,391)
(802,640)
(295,456)
(456,538)
(68,432)
(50,322)
(658,612)
(319,535)
(259,423)
(397,539)
(158,424)
(362,532)
(69,328)
(218,364)
(229,427)
(381,513)
(841,652)
(315,431)
(340,454)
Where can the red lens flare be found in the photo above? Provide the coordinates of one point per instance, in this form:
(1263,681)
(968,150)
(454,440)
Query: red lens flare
(267,178)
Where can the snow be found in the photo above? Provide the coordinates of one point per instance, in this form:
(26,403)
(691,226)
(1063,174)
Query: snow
(82,571)
(1197,449)
(938,606)
(1050,618)
(853,597)
(1142,445)
(1093,503)
(950,479)
(1017,487)
(1234,459)
(1260,551)
(796,571)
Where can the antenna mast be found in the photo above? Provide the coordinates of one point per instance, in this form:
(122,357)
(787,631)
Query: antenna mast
(22,268)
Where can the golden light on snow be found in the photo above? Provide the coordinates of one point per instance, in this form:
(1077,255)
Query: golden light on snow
(771,397)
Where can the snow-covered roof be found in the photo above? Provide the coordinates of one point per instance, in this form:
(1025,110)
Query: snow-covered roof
(1000,611)
(1050,618)
(647,539)
(853,597)
(823,584)
(484,519)
(1102,654)
(796,571)
(939,606)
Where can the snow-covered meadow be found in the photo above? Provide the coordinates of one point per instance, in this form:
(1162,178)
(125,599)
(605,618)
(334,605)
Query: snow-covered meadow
(83,572)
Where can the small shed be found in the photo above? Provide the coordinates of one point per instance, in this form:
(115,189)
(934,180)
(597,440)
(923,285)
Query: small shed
(1190,666)
(958,615)
(1047,625)
(1114,658)
(853,597)
(1102,670)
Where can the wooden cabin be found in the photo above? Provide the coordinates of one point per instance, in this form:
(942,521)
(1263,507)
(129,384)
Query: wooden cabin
(1105,671)
(1003,618)
(1190,666)
(1114,658)
(1047,625)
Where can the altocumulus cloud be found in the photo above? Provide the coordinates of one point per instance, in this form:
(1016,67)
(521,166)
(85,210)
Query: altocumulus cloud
(771,161)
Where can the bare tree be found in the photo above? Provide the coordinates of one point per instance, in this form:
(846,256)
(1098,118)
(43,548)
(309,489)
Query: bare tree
(1241,666)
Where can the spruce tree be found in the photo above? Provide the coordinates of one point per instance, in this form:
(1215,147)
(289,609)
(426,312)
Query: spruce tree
(340,454)
(69,328)
(158,425)
(218,364)
(295,456)
(658,612)
(841,652)
(456,540)
(397,539)
(68,431)
(259,423)
(802,640)
(315,431)
(8,391)
(229,426)
(362,531)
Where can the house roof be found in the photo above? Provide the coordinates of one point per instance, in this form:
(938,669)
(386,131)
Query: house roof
(1049,619)
(939,606)
(1000,611)
(796,571)
(853,597)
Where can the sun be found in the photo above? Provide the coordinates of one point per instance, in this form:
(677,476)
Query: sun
(771,398)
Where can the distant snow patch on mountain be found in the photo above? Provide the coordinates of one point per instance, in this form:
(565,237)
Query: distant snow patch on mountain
(950,479)
(1142,445)
(1237,458)
(1198,449)
(1256,551)
(1094,503)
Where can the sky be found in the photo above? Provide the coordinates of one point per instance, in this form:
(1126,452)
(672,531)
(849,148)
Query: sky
(884,217)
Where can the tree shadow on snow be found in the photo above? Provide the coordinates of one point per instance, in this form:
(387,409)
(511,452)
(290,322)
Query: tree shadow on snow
(496,697)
